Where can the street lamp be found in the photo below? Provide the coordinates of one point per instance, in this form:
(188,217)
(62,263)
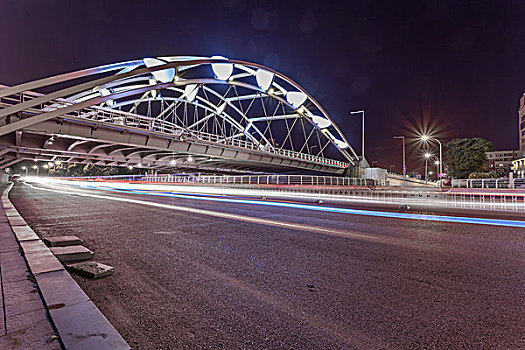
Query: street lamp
(363,133)
(427,155)
(426,138)
(25,168)
(438,168)
(36,168)
(404,165)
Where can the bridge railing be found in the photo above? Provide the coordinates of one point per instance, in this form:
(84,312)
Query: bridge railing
(108,115)
(504,183)
(303,180)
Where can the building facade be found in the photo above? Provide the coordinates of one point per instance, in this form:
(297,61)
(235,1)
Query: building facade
(518,168)
(521,120)
(501,161)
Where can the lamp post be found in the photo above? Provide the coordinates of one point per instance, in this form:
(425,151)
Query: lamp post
(438,167)
(404,165)
(427,155)
(25,168)
(426,138)
(363,133)
(36,168)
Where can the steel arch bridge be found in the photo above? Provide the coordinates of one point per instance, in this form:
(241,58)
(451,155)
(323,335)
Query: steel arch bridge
(202,113)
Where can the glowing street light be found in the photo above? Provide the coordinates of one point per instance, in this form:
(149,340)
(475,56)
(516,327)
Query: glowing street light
(426,138)
(25,168)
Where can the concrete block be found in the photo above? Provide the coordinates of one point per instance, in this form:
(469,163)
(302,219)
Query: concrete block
(59,289)
(24,233)
(91,269)
(16,221)
(43,262)
(62,241)
(83,327)
(73,253)
(30,247)
(11,212)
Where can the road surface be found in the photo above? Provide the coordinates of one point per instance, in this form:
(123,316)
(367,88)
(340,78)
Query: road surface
(194,274)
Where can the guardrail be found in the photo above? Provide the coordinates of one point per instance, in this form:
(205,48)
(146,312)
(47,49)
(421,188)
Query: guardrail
(304,180)
(489,183)
(107,115)
(338,189)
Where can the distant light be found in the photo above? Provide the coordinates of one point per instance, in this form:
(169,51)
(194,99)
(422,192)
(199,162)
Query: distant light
(24,168)
(222,70)
(425,137)
(139,165)
(430,173)
(45,166)
(58,162)
(436,162)
(163,76)
(190,159)
(296,98)
(35,166)
(321,122)
(50,164)
(173,162)
(130,167)
(428,155)
(264,79)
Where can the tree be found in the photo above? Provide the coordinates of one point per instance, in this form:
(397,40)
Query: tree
(465,156)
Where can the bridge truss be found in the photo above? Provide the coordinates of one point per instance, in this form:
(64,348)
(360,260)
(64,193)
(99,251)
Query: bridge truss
(203,113)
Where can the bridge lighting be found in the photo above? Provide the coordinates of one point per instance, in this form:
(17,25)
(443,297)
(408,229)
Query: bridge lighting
(322,123)
(173,162)
(190,159)
(139,165)
(163,76)
(222,70)
(264,79)
(57,162)
(190,92)
(130,167)
(295,98)
(340,144)
(221,108)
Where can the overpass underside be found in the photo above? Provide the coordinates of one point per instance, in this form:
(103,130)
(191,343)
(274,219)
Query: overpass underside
(71,140)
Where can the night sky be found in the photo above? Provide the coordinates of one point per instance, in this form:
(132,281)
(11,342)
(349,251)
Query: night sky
(456,68)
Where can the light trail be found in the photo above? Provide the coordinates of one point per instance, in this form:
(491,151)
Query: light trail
(373,213)
(223,215)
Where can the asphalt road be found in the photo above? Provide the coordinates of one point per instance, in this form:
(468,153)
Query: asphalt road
(298,280)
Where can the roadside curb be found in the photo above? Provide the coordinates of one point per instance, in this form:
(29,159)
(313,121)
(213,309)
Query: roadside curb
(79,323)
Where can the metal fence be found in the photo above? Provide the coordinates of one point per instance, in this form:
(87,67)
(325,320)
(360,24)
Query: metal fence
(304,180)
(489,183)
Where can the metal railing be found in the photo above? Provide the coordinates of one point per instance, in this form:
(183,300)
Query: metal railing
(302,180)
(335,189)
(505,183)
(108,115)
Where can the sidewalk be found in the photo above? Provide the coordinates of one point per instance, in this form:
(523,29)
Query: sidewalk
(24,321)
